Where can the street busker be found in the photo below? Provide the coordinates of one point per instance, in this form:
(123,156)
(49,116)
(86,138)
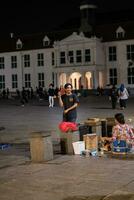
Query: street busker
(69,101)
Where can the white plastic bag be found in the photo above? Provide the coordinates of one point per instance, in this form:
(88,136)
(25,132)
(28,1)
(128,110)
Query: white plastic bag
(118,100)
(78,147)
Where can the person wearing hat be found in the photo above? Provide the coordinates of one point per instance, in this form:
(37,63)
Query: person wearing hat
(123,96)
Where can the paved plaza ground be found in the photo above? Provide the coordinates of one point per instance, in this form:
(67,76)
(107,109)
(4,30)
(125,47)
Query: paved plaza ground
(36,116)
(66,177)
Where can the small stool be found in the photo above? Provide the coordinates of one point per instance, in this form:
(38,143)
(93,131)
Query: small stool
(41,146)
(110,124)
(103,127)
(95,127)
(91,141)
(66,141)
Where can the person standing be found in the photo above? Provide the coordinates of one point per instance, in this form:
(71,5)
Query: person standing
(51,94)
(69,101)
(31,93)
(40,92)
(8,93)
(4,93)
(114,96)
(56,92)
(123,96)
(24,97)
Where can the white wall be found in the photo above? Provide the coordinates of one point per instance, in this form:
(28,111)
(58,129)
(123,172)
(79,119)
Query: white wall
(99,61)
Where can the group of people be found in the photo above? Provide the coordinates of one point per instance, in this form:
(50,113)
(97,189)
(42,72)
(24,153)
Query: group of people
(119,95)
(25,95)
(121,131)
(69,101)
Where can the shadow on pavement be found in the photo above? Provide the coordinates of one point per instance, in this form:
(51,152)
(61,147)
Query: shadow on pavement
(100,108)
(111,197)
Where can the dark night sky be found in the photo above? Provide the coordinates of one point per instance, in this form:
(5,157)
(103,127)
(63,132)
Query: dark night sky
(24,17)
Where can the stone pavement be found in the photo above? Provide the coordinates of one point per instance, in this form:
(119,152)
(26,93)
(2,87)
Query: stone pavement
(66,177)
(69,178)
(36,116)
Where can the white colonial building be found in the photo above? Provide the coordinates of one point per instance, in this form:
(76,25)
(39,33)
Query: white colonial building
(91,55)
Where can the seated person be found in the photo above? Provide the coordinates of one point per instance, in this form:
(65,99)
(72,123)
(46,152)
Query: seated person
(122,131)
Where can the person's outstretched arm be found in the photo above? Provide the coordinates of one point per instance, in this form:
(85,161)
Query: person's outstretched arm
(60,100)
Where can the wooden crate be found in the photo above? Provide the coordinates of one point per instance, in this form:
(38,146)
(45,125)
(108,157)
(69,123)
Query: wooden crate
(110,121)
(95,125)
(41,147)
(110,124)
(92,121)
(91,141)
(103,127)
(66,141)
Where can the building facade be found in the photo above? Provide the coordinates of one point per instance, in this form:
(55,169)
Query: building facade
(90,56)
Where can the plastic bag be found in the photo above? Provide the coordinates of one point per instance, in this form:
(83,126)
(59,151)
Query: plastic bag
(68,126)
(118,100)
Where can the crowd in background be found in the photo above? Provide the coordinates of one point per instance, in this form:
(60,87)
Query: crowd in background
(116,94)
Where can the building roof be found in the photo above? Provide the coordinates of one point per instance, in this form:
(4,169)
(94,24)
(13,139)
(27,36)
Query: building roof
(32,41)
(105,28)
(108,31)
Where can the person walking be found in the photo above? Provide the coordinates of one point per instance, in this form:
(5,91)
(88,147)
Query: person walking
(51,94)
(24,97)
(123,96)
(69,101)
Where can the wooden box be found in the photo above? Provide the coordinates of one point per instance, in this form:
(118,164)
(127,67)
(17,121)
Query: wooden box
(91,141)
(66,141)
(92,121)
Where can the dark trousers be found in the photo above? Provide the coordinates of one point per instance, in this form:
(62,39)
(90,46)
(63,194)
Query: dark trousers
(67,118)
(24,100)
(123,103)
(114,102)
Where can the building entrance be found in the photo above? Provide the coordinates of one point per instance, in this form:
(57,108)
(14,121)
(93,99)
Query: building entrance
(77,80)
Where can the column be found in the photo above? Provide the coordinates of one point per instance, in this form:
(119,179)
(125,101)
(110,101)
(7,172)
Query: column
(58,80)
(83,80)
(67,77)
(95,76)
(55,79)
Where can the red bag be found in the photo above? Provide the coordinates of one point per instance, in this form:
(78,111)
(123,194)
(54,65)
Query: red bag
(68,126)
